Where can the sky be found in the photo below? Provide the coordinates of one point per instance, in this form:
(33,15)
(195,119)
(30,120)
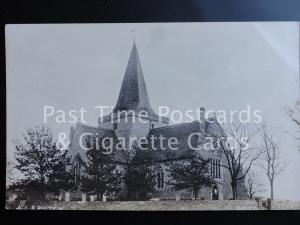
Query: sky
(219,66)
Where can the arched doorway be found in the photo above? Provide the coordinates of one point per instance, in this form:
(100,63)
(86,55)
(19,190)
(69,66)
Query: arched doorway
(215,193)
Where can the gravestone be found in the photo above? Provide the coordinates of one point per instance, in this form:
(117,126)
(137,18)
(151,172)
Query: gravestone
(67,197)
(83,198)
(259,202)
(60,197)
(104,198)
(177,197)
(92,198)
(269,203)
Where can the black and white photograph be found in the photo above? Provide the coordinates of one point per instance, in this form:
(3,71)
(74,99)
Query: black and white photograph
(153,116)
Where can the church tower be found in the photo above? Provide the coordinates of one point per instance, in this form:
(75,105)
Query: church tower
(133,115)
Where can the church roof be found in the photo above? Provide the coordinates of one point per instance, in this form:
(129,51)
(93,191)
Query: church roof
(133,94)
(167,155)
(76,147)
(181,132)
(160,152)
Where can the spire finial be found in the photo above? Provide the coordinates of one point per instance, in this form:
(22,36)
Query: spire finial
(133,31)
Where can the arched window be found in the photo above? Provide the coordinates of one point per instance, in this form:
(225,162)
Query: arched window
(76,172)
(215,168)
(160,179)
(115,126)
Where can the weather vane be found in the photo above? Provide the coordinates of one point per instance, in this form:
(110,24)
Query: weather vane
(133,31)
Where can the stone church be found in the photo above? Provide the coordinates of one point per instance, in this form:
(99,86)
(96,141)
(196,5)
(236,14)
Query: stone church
(133,98)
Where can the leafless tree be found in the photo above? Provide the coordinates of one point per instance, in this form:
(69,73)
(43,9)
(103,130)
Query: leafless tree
(270,160)
(294,114)
(253,184)
(238,151)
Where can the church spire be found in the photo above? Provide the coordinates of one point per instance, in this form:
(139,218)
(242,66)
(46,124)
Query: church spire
(133,94)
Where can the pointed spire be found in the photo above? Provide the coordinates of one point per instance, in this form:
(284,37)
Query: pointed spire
(133,94)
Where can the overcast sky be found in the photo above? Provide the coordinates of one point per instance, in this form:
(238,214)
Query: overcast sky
(220,66)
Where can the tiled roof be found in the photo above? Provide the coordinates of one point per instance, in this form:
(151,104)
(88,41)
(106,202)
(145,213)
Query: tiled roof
(160,152)
(167,155)
(181,132)
(75,147)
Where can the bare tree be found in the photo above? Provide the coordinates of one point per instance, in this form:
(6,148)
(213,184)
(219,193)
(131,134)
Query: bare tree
(294,114)
(238,153)
(253,184)
(270,159)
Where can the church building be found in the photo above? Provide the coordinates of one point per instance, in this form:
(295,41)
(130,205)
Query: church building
(133,102)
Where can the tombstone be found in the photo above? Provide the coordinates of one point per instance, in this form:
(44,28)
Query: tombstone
(104,198)
(177,197)
(259,202)
(269,202)
(60,197)
(92,198)
(83,198)
(67,197)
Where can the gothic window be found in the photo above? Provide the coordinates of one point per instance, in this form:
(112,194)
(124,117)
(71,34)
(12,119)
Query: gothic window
(152,126)
(76,172)
(211,168)
(160,179)
(215,168)
(219,169)
(115,126)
